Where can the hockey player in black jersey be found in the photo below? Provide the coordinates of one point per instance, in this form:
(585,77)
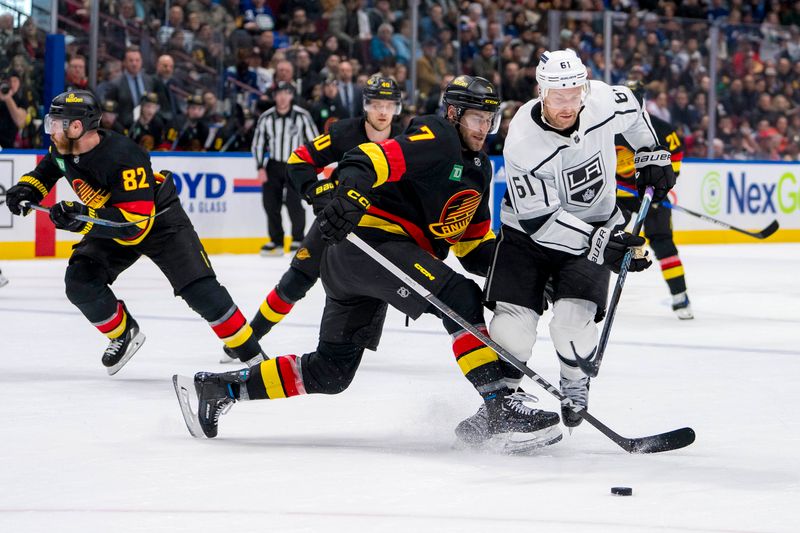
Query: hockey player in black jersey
(413,198)
(382,102)
(658,222)
(113,179)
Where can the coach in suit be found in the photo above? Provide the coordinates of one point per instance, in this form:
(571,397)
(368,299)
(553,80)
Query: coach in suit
(131,86)
(349,92)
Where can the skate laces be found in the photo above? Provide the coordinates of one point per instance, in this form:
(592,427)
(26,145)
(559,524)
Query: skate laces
(576,390)
(515,402)
(114,345)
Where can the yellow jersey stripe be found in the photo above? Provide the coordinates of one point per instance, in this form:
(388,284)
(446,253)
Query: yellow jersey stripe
(672,273)
(462,248)
(369,221)
(119,330)
(134,217)
(30,180)
(379,162)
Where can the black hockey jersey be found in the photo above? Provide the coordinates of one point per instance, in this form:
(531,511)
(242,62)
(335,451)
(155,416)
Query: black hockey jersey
(667,136)
(114,179)
(310,159)
(424,187)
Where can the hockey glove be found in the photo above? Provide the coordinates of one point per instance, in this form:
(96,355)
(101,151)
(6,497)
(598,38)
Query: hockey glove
(320,194)
(654,167)
(19,193)
(63,215)
(342,214)
(608,247)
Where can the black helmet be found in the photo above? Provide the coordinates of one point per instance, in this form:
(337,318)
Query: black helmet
(77,105)
(380,88)
(637,88)
(472,92)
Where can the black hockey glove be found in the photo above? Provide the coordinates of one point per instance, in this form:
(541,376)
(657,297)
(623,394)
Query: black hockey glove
(608,247)
(320,194)
(19,193)
(63,215)
(654,167)
(342,214)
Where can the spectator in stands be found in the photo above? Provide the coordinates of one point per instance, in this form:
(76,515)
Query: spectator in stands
(305,78)
(329,108)
(174,22)
(13,113)
(124,30)
(165,86)
(685,117)
(349,92)
(191,131)
(380,14)
(10,41)
(32,40)
(297,26)
(381,46)
(433,103)
(430,69)
(110,118)
(431,26)
(402,42)
(111,74)
(130,88)
(258,17)
(659,107)
(148,130)
(75,79)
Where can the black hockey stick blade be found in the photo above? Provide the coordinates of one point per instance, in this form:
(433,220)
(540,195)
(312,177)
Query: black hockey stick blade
(664,442)
(766,232)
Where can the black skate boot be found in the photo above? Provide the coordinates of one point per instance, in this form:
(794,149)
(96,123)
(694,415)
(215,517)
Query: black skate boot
(212,394)
(578,392)
(230,357)
(506,424)
(121,349)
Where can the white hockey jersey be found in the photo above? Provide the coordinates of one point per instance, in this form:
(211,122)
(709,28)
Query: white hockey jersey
(562,184)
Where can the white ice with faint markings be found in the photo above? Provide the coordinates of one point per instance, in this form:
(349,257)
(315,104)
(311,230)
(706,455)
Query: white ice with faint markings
(83,452)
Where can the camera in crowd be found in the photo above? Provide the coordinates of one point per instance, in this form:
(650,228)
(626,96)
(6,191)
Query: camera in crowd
(5,87)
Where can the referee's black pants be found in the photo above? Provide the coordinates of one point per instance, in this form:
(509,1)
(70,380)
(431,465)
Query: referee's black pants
(272,195)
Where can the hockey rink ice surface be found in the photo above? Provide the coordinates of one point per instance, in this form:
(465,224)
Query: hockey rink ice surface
(85,452)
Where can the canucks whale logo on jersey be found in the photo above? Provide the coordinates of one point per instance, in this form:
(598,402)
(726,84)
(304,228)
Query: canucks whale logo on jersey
(584,182)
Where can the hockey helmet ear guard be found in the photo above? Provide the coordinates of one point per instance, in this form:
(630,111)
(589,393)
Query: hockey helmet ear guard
(380,92)
(468,92)
(561,69)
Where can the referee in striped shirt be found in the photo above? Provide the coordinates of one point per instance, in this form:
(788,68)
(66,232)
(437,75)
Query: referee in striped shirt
(280,130)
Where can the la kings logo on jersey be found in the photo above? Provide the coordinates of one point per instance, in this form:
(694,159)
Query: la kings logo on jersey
(584,182)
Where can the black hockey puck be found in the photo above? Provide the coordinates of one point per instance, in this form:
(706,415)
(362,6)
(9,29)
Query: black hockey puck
(622,491)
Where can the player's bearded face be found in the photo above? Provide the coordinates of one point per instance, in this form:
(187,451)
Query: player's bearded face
(475,126)
(561,106)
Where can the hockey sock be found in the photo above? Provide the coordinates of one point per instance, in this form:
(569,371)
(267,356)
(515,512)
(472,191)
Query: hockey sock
(280,377)
(232,328)
(672,270)
(272,311)
(478,362)
(115,325)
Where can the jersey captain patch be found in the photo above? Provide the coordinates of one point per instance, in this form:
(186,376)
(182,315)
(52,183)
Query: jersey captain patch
(584,182)
(456,215)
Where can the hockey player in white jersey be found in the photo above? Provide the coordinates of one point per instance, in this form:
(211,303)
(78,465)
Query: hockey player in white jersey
(560,221)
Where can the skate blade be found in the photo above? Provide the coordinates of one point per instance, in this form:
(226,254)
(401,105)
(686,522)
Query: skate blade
(522,443)
(133,347)
(187,397)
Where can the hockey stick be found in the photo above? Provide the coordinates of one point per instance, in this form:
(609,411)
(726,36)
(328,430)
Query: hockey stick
(93,220)
(591,365)
(763,234)
(671,440)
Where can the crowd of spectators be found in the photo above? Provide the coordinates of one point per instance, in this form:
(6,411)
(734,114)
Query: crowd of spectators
(206,68)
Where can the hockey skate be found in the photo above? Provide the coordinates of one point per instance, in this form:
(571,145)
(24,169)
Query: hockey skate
(578,392)
(205,398)
(121,349)
(512,428)
(229,357)
(3,279)
(271,249)
(681,306)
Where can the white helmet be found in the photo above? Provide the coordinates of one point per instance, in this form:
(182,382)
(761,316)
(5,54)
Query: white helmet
(562,69)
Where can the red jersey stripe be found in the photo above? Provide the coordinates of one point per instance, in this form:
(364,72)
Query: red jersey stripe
(230,326)
(140,207)
(277,304)
(409,227)
(394,155)
(288,377)
(476,231)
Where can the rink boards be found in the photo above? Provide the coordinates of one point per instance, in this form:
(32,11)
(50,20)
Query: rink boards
(222,195)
